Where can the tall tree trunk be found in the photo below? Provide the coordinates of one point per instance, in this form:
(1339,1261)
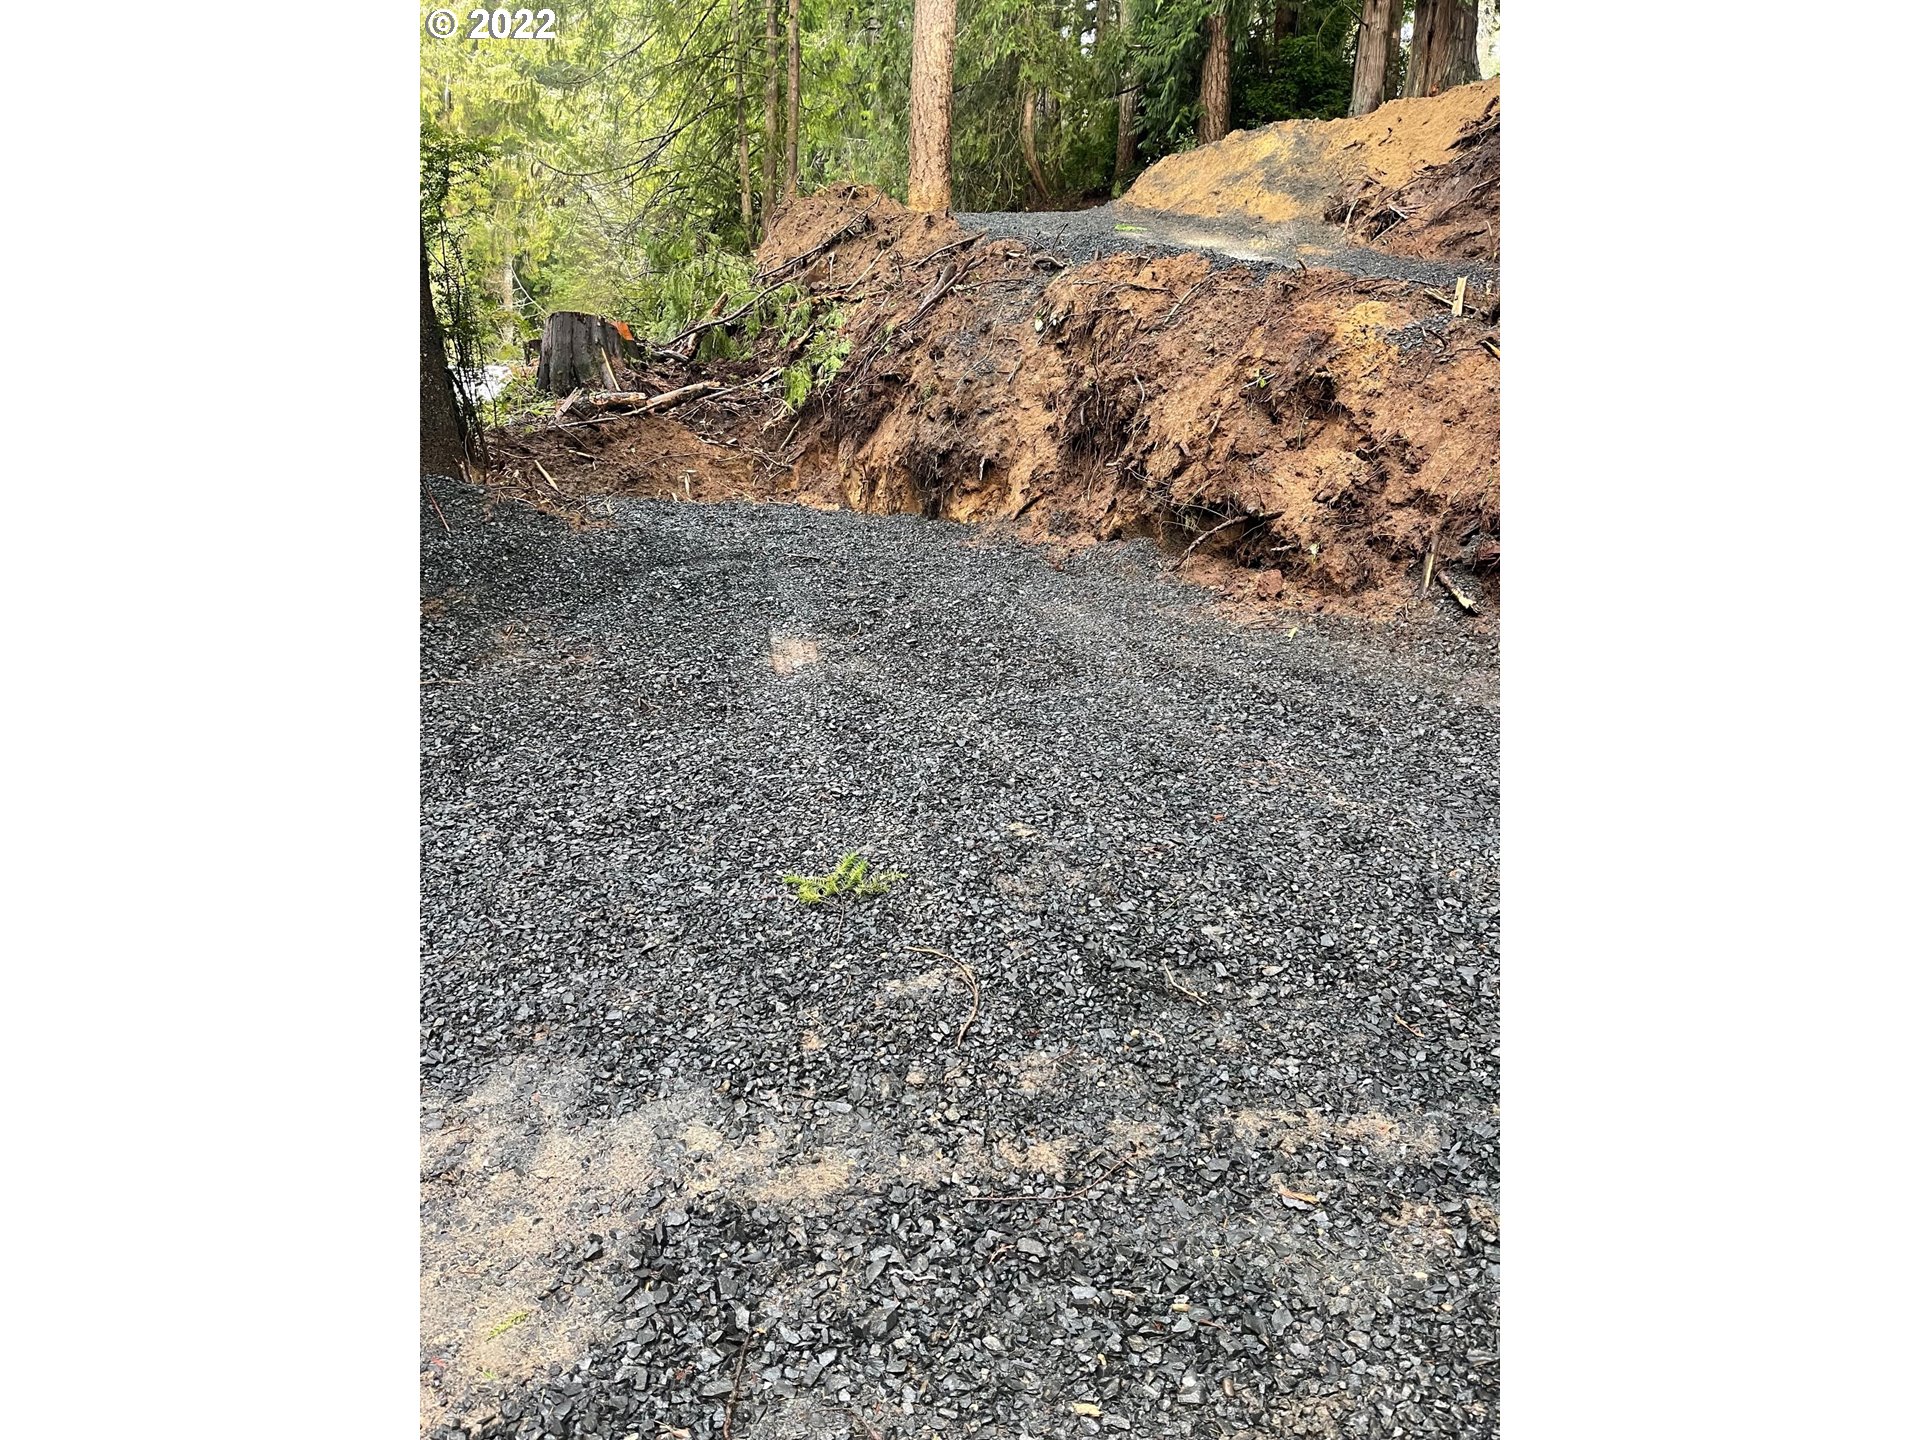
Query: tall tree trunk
(1215,88)
(793,99)
(770,160)
(1444,54)
(1395,20)
(1286,20)
(443,430)
(740,117)
(1370,57)
(1126,151)
(930,107)
(1029,144)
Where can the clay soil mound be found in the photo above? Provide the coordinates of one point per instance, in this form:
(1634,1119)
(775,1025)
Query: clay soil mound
(1293,435)
(1415,177)
(1308,437)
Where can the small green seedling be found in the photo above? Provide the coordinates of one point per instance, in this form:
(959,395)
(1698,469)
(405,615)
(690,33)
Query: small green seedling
(519,1317)
(849,877)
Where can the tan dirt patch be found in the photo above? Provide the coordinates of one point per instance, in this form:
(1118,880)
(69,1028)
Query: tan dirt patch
(791,653)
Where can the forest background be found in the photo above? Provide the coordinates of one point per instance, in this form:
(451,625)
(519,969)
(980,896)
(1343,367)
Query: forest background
(626,166)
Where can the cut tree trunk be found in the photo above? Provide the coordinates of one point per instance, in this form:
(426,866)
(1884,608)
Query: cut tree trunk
(1444,53)
(1370,57)
(581,352)
(1215,88)
(930,107)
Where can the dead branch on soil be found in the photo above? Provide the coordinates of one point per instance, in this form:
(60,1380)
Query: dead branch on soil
(693,332)
(1183,300)
(431,500)
(733,1395)
(1231,519)
(944,249)
(1193,995)
(1454,590)
(638,402)
(973,984)
(796,262)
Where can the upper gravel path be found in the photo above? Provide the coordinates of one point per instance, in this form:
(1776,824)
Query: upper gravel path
(1216,1156)
(1080,236)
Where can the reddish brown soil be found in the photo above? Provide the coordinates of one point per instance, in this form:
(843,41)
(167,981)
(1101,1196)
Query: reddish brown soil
(1290,170)
(1298,436)
(1449,209)
(1319,432)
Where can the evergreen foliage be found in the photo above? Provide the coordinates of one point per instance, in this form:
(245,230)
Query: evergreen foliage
(600,171)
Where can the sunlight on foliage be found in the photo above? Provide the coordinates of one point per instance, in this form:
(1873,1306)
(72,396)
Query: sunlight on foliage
(600,171)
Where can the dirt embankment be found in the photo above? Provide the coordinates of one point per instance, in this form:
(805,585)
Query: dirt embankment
(1305,436)
(1415,177)
(1317,433)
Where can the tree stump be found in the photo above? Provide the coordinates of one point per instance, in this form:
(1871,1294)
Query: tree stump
(581,352)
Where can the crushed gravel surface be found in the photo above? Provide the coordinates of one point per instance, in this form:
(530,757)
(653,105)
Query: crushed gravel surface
(1080,236)
(1158,1095)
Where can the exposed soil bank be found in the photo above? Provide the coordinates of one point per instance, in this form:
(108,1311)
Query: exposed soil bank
(1306,436)
(1416,177)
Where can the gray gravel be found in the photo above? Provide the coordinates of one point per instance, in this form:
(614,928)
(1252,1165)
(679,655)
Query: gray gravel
(696,1156)
(1079,236)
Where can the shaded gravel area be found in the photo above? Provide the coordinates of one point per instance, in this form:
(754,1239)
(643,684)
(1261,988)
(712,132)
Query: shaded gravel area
(1180,1120)
(1079,236)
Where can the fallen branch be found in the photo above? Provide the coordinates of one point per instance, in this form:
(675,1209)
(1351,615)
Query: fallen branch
(939,292)
(850,228)
(1183,299)
(1193,995)
(973,984)
(641,403)
(1454,590)
(1447,300)
(733,1395)
(692,332)
(1231,519)
(436,505)
(944,249)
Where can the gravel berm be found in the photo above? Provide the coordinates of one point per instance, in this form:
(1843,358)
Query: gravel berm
(1217,1154)
(1081,236)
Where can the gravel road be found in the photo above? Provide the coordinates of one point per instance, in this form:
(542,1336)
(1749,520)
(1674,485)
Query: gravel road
(1079,236)
(1215,1156)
